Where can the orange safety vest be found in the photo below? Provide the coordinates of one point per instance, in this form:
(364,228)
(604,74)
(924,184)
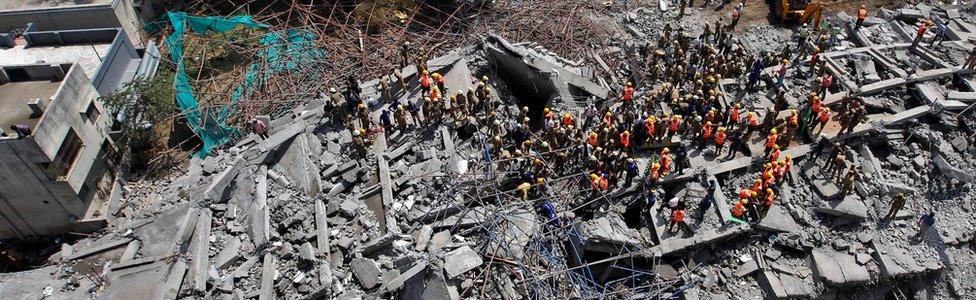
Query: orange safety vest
(780,171)
(756,187)
(654,173)
(628,94)
(774,155)
(603,183)
(753,120)
(665,161)
(720,138)
(625,140)
(794,120)
(770,140)
(862,13)
(824,116)
(649,126)
(425,81)
(734,115)
(769,199)
(435,94)
(675,121)
(815,105)
(769,178)
(738,210)
(745,194)
(678,215)
(706,132)
(438,78)
(567,120)
(549,115)
(592,140)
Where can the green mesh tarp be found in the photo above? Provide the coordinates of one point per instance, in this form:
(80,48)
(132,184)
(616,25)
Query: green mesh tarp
(282,51)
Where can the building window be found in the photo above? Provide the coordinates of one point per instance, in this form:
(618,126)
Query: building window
(66,156)
(92,112)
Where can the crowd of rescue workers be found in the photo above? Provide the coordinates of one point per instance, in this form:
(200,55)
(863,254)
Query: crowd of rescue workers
(680,108)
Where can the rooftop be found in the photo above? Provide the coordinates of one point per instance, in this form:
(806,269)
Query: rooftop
(41,4)
(88,56)
(14,97)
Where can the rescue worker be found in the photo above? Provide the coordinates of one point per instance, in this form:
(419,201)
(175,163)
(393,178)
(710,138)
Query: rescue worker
(849,180)
(628,96)
(665,161)
(862,13)
(677,219)
(625,140)
(257,126)
(733,119)
(654,173)
(706,135)
(523,190)
(719,141)
(425,82)
(753,122)
(770,141)
(919,34)
(821,120)
(739,210)
(897,203)
(438,80)
(767,201)
(774,155)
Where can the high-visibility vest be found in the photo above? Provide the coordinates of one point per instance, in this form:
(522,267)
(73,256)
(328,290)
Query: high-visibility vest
(734,115)
(769,199)
(438,78)
(603,183)
(675,121)
(770,140)
(720,138)
(649,126)
(738,210)
(794,120)
(592,140)
(625,140)
(425,81)
(753,120)
(706,132)
(665,161)
(815,105)
(774,155)
(862,14)
(628,94)
(824,116)
(567,120)
(745,194)
(678,215)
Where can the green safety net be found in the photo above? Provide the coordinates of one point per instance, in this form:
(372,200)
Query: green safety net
(282,51)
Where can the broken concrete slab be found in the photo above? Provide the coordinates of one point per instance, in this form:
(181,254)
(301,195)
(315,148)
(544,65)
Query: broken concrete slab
(268,270)
(398,282)
(99,248)
(849,207)
(230,254)
(778,219)
(898,262)
(461,260)
(365,271)
(200,253)
(322,233)
(838,268)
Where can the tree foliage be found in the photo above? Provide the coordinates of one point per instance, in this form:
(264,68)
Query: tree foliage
(145,107)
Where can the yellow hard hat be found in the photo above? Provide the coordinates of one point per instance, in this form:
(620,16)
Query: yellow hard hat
(426,73)
(772,131)
(665,150)
(722,129)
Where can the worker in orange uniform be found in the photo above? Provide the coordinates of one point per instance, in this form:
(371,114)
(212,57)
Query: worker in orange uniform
(767,202)
(862,14)
(706,135)
(757,185)
(593,139)
(568,119)
(733,116)
(768,176)
(677,218)
(720,137)
(919,34)
(438,80)
(665,161)
(673,126)
(753,121)
(822,119)
(425,81)
(770,141)
(625,139)
(654,173)
(739,210)
(774,155)
(628,97)
(650,127)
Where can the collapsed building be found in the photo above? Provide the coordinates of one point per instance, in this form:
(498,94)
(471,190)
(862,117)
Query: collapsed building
(425,213)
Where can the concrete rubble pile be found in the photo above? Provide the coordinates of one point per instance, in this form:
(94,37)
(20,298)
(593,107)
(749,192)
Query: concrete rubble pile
(425,213)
